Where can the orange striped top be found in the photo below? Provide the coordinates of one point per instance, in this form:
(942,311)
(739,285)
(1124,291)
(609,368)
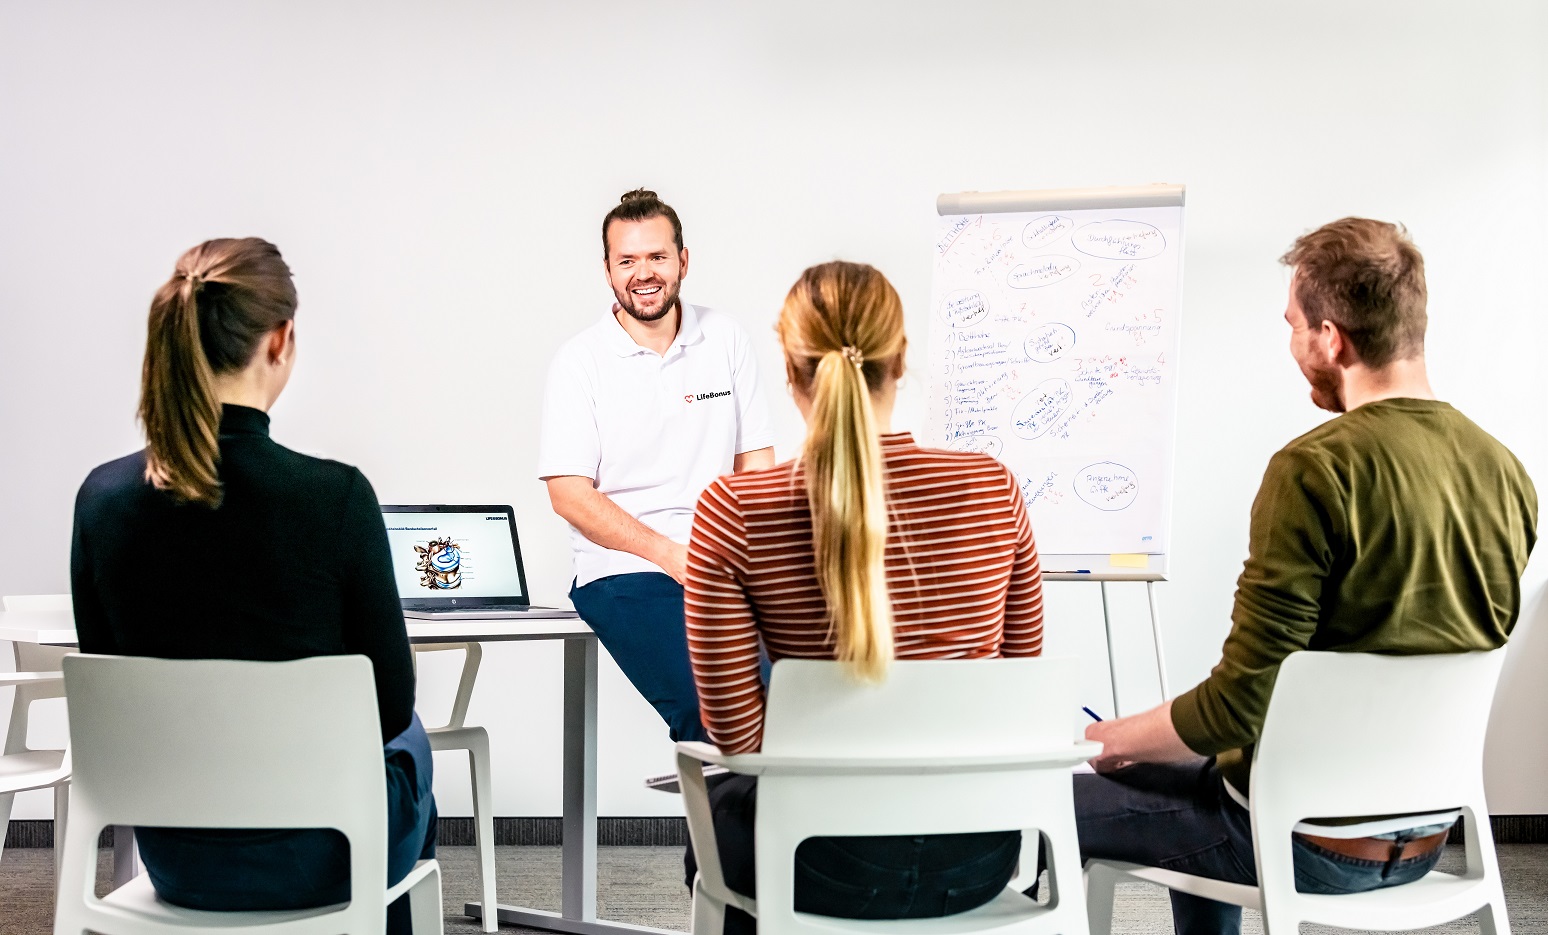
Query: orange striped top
(962,571)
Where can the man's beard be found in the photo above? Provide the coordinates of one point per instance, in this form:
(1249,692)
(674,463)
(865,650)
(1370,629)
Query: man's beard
(626,301)
(1327,389)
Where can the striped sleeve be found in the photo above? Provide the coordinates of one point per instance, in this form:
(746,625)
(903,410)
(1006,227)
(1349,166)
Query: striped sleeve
(1024,598)
(722,634)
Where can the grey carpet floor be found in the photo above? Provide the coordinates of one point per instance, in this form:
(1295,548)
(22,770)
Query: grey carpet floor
(643,885)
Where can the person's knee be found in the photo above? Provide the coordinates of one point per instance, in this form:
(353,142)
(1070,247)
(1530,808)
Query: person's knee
(685,725)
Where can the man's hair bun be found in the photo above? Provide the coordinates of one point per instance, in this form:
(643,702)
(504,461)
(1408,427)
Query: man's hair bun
(639,194)
(638,205)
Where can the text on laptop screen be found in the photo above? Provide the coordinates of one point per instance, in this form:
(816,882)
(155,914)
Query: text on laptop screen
(453,555)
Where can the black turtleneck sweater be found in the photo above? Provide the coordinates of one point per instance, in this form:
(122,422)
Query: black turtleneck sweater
(293,563)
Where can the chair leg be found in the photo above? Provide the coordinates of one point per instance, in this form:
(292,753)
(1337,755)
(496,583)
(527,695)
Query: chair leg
(61,816)
(1492,919)
(709,916)
(483,825)
(1101,891)
(425,912)
(1279,920)
(5,818)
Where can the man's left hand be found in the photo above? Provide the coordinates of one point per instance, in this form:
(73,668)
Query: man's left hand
(1141,738)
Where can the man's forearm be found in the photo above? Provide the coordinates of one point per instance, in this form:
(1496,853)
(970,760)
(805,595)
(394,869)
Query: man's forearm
(604,522)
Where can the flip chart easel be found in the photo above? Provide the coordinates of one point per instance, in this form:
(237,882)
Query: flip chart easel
(1054,347)
(1103,578)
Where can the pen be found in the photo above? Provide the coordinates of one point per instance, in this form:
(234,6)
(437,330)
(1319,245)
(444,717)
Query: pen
(1094,715)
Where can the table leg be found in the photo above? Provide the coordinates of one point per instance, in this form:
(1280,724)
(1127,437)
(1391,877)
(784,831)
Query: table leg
(579,877)
(126,860)
(578,880)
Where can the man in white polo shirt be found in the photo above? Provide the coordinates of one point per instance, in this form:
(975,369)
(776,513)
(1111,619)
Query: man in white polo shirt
(643,410)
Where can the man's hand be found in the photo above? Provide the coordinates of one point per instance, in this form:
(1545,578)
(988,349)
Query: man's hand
(1141,738)
(674,561)
(1109,759)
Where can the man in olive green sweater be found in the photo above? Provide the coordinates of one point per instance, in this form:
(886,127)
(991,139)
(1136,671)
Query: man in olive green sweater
(1397,527)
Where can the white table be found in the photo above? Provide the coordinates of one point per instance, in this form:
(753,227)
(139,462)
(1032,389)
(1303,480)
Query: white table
(578,906)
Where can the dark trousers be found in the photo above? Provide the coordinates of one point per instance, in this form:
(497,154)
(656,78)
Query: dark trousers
(1180,817)
(639,619)
(298,869)
(893,877)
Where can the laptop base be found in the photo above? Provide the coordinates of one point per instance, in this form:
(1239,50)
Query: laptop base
(490,613)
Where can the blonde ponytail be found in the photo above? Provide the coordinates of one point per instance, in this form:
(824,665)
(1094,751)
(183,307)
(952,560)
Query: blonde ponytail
(224,296)
(842,328)
(849,515)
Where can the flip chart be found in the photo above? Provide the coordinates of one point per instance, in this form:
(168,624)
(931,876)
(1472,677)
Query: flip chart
(1053,347)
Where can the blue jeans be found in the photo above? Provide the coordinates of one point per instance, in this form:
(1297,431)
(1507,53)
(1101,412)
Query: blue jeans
(246,870)
(883,877)
(1178,816)
(639,619)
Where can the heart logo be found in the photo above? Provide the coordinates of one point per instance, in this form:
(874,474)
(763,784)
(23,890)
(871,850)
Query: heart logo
(688,398)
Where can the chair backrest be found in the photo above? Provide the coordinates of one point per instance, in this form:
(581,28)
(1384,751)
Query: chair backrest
(217,743)
(1357,734)
(31,657)
(924,708)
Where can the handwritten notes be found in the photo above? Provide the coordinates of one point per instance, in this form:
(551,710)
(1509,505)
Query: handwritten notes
(1053,343)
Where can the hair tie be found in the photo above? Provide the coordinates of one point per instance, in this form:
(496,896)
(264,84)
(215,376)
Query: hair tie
(853,355)
(194,280)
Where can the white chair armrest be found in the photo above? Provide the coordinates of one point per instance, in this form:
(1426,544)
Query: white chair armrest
(763,764)
(701,824)
(702,752)
(30,678)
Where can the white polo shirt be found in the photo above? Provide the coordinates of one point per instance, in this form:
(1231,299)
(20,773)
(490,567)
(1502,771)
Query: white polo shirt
(652,430)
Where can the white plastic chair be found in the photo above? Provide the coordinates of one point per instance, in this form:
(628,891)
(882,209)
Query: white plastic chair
(939,747)
(454,735)
(1350,735)
(37,677)
(215,743)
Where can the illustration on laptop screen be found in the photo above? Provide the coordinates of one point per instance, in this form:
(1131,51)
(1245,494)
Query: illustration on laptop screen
(454,553)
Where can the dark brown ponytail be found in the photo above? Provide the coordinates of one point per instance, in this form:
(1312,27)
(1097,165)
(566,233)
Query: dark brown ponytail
(209,318)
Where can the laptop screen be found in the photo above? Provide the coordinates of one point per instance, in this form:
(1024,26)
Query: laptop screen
(455,556)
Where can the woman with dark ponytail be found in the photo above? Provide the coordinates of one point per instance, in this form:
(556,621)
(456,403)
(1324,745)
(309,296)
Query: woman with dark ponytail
(865,549)
(214,542)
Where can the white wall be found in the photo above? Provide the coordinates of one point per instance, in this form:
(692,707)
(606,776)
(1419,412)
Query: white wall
(435,173)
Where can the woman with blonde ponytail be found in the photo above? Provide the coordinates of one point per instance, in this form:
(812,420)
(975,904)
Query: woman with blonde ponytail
(867,548)
(214,542)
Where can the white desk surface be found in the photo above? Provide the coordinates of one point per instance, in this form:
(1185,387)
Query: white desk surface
(57,628)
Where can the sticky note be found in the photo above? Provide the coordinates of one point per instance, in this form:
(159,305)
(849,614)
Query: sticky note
(1129,560)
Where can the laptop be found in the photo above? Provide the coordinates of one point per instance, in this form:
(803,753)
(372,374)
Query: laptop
(459,563)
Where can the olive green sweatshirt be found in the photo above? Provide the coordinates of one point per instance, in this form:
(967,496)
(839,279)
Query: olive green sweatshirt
(1400,527)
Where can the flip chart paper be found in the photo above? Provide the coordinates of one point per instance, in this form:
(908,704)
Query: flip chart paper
(1053,347)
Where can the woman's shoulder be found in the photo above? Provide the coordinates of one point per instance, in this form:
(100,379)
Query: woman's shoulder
(778,482)
(289,479)
(317,469)
(968,467)
(115,480)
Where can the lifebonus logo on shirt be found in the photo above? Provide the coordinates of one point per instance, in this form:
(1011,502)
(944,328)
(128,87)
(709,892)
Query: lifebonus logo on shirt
(691,397)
